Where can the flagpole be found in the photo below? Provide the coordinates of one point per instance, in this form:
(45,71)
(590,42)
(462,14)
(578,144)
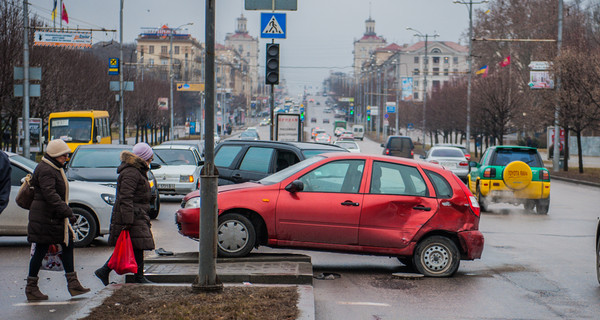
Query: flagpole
(61,12)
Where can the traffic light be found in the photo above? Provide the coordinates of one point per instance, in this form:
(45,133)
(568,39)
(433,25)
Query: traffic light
(302,116)
(368,117)
(351,110)
(272,64)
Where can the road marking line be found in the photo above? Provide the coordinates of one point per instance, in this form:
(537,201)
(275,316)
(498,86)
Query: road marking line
(373,304)
(44,303)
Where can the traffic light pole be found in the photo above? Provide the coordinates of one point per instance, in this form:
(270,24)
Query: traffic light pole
(272,111)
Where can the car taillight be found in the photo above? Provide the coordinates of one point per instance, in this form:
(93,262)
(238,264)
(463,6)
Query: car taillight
(544,175)
(434,161)
(468,156)
(412,153)
(489,172)
(387,151)
(463,163)
(473,204)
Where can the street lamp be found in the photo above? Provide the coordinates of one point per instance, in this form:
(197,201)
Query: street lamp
(469,5)
(426,64)
(171,134)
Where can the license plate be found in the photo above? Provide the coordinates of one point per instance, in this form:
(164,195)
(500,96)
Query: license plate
(166,186)
(449,164)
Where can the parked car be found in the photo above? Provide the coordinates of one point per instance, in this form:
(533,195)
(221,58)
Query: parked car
(461,147)
(399,146)
(180,168)
(418,212)
(249,135)
(323,138)
(198,144)
(511,174)
(348,145)
(91,203)
(98,163)
(240,161)
(359,131)
(450,158)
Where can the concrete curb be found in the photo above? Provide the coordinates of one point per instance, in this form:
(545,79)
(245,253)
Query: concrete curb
(305,304)
(587,183)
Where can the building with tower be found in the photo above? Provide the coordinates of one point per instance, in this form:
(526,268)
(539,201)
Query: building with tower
(365,46)
(247,47)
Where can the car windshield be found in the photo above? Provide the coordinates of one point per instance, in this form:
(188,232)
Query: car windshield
(24,161)
(71,129)
(96,158)
(505,156)
(175,157)
(287,172)
(447,153)
(251,134)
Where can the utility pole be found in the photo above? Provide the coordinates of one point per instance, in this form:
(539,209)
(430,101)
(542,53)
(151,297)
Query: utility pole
(26,140)
(171,121)
(121,100)
(397,115)
(556,153)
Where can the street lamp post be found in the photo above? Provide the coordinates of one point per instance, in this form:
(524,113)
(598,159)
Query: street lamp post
(171,76)
(470,64)
(426,64)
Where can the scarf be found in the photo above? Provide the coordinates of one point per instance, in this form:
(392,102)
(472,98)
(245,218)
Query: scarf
(67,225)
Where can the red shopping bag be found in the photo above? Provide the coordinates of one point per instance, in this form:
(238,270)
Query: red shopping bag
(123,259)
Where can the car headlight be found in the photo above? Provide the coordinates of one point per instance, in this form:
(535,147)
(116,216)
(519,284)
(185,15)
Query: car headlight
(186,178)
(109,198)
(193,203)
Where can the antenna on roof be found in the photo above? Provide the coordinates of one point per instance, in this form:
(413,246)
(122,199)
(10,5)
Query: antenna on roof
(369,10)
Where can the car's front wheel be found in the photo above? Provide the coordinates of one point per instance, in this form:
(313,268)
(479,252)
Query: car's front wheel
(236,235)
(437,256)
(85,228)
(542,206)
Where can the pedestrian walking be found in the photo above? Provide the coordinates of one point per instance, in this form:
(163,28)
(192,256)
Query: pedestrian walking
(49,219)
(130,211)
(5,171)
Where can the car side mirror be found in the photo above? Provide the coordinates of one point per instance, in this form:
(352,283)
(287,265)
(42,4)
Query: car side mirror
(201,163)
(154,166)
(382,145)
(422,157)
(473,164)
(295,186)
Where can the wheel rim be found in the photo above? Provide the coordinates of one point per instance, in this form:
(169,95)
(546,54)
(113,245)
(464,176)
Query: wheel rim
(232,236)
(436,258)
(81,228)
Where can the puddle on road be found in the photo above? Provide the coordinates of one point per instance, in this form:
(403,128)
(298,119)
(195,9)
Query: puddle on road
(389,282)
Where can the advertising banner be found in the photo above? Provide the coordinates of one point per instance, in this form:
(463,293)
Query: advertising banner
(407,88)
(35,134)
(80,39)
(288,127)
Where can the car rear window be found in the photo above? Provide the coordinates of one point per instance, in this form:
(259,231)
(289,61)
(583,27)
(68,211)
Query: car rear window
(505,156)
(442,187)
(226,155)
(452,153)
(401,144)
(96,158)
(175,157)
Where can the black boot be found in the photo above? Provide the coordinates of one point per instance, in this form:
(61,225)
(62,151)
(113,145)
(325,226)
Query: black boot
(139,276)
(102,274)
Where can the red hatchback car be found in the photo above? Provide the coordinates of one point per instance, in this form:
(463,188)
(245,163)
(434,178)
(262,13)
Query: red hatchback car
(418,212)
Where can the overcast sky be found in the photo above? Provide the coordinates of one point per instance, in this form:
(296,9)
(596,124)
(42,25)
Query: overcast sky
(320,35)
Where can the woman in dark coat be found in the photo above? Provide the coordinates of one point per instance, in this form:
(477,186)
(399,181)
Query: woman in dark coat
(49,219)
(130,211)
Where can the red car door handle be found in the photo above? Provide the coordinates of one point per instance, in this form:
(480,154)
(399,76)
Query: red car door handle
(422,208)
(350,203)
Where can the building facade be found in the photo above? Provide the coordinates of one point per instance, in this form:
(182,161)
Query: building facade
(365,46)
(247,48)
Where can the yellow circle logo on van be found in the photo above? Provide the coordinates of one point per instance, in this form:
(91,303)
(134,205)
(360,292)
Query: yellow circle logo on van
(517,175)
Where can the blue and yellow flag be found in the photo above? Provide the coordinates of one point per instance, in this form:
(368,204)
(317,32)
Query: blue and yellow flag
(483,70)
(54,10)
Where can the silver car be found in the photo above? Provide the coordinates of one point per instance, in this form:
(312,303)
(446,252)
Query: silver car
(180,169)
(92,205)
(451,158)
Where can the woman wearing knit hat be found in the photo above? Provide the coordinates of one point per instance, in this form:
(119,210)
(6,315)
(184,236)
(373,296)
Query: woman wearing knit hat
(130,211)
(49,219)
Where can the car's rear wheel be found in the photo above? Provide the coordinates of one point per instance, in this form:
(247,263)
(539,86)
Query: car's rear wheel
(407,261)
(529,205)
(483,201)
(236,235)
(598,260)
(155,210)
(542,206)
(437,256)
(85,228)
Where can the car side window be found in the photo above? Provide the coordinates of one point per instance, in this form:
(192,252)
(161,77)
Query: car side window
(257,159)
(226,155)
(484,157)
(342,176)
(16,175)
(442,187)
(285,158)
(397,179)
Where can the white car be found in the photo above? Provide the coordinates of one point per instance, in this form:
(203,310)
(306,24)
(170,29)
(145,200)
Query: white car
(348,145)
(451,158)
(92,204)
(323,138)
(180,168)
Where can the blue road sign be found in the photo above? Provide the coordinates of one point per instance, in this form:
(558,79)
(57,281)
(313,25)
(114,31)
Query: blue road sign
(272,25)
(113,66)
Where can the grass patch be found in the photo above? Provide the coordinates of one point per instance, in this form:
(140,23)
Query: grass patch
(182,303)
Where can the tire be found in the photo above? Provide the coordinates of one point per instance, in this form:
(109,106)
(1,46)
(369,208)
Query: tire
(598,260)
(529,205)
(437,256)
(542,206)
(153,213)
(236,236)
(483,201)
(85,228)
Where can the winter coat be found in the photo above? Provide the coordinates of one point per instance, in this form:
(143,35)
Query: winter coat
(48,223)
(5,172)
(132,203)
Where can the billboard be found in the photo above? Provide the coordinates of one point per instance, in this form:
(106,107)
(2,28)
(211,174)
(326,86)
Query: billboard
(35,135)
(407,88)
(288,127)
(79,39)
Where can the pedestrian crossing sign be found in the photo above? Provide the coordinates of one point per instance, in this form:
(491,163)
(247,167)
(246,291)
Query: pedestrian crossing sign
(272,25)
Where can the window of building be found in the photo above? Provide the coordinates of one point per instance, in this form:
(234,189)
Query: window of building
(446,60)
(151,62)
(163,49)
(416,84)
(164,62)
(436,60)
(435,85)
(455,60)
(425,60)
(416,95)
(446,71)
(176,50)
(151,49)
(416,59)
(436,50)
(416,72)
(436,71)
